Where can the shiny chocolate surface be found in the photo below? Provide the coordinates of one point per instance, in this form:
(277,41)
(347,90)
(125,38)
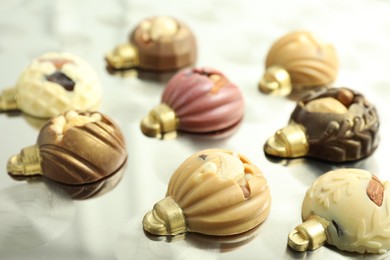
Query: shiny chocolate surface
(38,222)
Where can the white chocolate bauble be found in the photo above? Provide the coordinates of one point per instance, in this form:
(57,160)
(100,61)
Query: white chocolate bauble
(345,198)
(37,96)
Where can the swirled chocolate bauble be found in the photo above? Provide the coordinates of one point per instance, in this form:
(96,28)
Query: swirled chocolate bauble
(336,124)
(75,149)
(298,61)
(347,208)
(158,43)
(214,192)
(199,101)
(54,83)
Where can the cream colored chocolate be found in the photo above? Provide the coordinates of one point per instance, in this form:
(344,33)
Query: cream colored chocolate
(299,60)
(56,82)
(161,26)
(326,105)
(158,43)
(214,192)
(73,149)
(356,206)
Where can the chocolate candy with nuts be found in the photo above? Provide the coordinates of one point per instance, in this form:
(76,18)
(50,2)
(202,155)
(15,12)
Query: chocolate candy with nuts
(74,149)
(214,192)
(336,124)
(159,43)
(346,208)
(198,101)
(54,83)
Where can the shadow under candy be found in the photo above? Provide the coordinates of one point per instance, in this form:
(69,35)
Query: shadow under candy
(333,252)
(11,113)
(35,122)
(316,167)
(298,94)
(214,136)
(33,214)
(91,190)
(135,243)
(155,76)
(81,191)
(201,241)
(321,166)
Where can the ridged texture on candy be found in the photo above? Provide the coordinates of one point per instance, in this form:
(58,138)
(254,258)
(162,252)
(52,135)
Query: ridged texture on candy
(215,206)
(339,137)
(199,107)
(40,97)
(357,223)
(85,154)
(309,61)
(168,53)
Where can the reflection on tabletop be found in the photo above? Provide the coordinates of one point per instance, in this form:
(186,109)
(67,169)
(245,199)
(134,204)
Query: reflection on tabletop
(33,214)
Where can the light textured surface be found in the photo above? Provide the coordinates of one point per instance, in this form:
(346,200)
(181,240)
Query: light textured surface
(234,37)
(44,98)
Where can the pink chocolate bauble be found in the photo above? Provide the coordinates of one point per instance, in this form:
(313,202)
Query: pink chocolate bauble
(204,100)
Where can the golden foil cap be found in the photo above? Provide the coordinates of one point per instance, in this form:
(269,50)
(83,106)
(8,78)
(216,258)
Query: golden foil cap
(123,56)
(161,121)
(7,100)
(26,163)
(309,235)
(276,80)
(166,218)
(289,142)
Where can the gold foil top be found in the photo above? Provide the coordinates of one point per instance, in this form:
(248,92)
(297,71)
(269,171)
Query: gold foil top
(166,218)
(375,191)
(309,235)
(26,163)
(276,80)
(124,56)
(161,120)
(7,100)
(290,141)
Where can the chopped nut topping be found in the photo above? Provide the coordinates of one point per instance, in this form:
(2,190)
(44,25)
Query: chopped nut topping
(158,27)
(71,119)
(326,105)
(375,191)
(345,96)
(229,167)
